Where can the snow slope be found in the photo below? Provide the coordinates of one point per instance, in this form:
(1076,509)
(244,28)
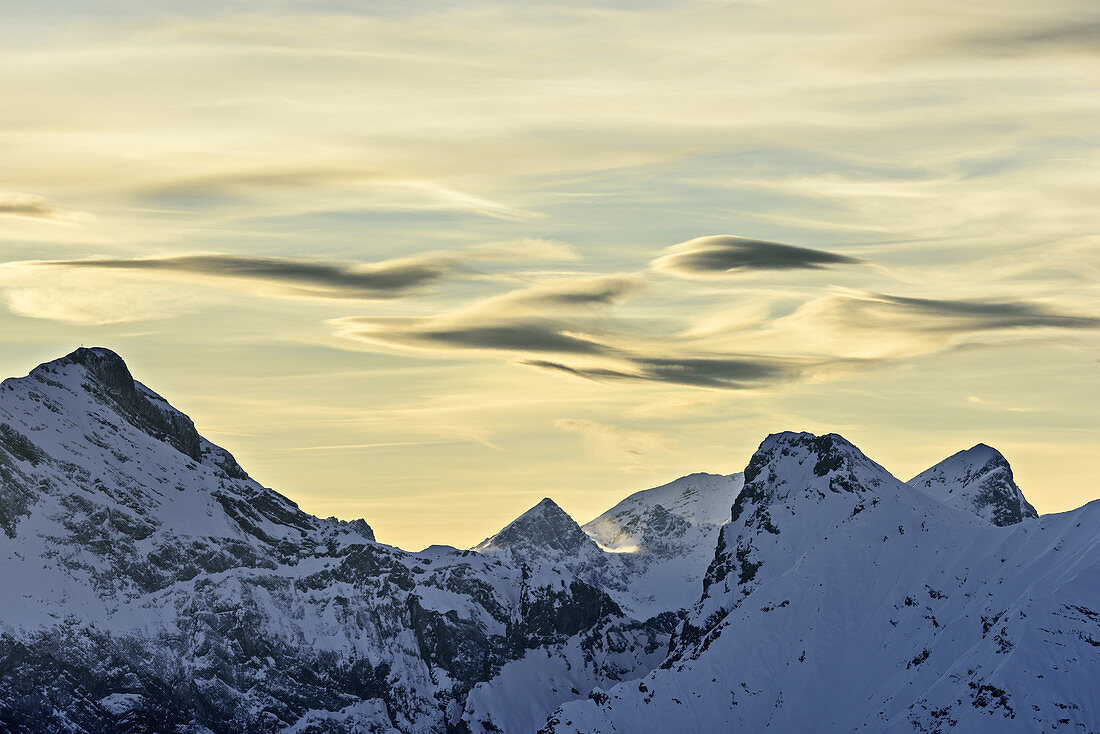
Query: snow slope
(703,500)
(664,538)
(842,600)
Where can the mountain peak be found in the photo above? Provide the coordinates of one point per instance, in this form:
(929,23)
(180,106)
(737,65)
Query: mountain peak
(102,365)
(831,461)
(93,355)
(792,470)
(547,505)
(978,480)
(543,529)
(983,452)
(98,376)
(109,380)
(547,511)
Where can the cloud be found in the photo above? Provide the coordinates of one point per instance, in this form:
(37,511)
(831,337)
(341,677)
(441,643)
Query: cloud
(450,333)
(336,188)
(515,336)
(567,293)
(560,326)
(714,372)
(28,206)
(525,320)
(1065,35)
(726,254)
(348,279)
(860,328)
(1084,32)
(525,248)
(824,338)
(85,304)
(975,400)
(876,310)
(565,326)
(304,277)
(724,372)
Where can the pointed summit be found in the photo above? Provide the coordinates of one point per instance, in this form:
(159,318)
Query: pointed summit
(978,480)
(544,530)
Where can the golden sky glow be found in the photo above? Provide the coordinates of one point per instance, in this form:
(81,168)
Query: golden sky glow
(427,263)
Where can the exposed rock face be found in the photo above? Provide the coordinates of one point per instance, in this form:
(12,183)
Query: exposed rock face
(544,531)
(978,480)
(109,378)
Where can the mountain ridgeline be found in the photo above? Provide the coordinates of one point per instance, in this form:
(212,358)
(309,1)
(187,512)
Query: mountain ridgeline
(152,586)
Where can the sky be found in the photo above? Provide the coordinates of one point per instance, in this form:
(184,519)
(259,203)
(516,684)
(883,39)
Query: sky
(427,263)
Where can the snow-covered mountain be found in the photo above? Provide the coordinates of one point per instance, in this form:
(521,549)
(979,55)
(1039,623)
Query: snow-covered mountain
(150,585)
(648,559)
(841,599)
(649,552)
(701,499)
(664,537)
(978,480)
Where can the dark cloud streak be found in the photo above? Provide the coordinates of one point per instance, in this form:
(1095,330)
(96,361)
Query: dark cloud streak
(727,254)
(593,292)
(739,373)
(966,315)
(309,277)
(1080,33)
(515,337)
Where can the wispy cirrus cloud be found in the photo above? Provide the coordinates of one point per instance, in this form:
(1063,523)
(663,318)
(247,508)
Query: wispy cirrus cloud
(1065,35)
(512,336)
(721,255)
(253,190)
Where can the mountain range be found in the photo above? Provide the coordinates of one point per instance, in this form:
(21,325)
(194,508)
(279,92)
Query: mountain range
(152,586)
